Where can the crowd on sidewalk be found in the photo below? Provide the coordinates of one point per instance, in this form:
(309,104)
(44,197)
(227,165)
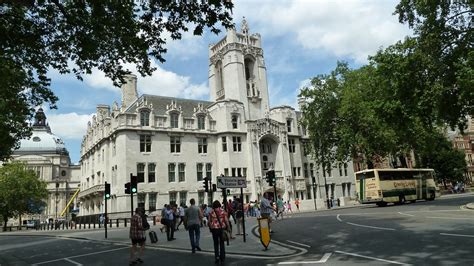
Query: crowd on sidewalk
(217,217)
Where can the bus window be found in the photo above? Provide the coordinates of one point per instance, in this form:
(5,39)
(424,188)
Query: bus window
(365,175)
(385,175)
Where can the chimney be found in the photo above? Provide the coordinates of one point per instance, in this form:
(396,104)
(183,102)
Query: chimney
(129,91)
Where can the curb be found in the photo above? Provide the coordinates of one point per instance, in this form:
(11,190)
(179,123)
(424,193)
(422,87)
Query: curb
(470,206)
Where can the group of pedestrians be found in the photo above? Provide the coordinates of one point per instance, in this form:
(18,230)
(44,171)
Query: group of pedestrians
(216,217)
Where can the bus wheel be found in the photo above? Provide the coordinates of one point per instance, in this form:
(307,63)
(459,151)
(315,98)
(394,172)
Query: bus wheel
(432,196)
(401,199)
(381,204)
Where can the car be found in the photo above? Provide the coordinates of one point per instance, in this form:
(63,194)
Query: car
(32,223)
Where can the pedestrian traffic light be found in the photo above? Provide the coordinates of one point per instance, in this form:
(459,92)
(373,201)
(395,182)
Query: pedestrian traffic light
(206,184)
(214,187)
(228,192)
(127,188)
(107,191)
(133,183)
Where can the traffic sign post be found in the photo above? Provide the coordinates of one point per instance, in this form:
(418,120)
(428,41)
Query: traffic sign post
(231,182)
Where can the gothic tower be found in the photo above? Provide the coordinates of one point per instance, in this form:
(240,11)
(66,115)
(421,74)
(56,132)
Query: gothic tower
(237,71)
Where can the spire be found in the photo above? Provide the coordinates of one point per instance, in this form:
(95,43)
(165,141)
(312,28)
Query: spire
(245,26)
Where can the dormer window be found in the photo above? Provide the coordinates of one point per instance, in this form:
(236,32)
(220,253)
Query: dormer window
(234,121)
(174,120)
(145,118)
(201,122)
(288,125)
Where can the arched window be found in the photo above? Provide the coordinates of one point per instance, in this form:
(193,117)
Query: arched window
(249,68)
(145,118)
(219,76)
(174,120)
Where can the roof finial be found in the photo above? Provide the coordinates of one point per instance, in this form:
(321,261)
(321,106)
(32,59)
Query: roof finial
(245,26)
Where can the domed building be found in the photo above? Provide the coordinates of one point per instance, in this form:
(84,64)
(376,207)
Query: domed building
(46,154)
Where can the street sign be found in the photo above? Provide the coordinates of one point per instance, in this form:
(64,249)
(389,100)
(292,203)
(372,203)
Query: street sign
(231,182)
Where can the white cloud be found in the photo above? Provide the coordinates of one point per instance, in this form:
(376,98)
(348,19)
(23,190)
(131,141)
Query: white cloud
(161,82)
(341,27)
(69,125)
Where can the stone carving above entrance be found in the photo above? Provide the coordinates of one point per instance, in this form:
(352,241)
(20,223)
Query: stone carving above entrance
(267,126)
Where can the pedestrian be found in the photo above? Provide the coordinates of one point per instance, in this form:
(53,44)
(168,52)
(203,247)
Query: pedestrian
(101,219)
(288,204)
(169,217)
(280,208)
(181,215)
(266,209)
(137,235)
(218,222)
(239,216)
(192,221)
(163,218)
(297,203)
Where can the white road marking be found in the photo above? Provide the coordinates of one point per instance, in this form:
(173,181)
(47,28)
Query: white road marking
(296,243)
(339,218)
(449,218)
(82,255)
(446,234)
(73,262)
(374,227)
(322,260)
(367,257)
(411,215)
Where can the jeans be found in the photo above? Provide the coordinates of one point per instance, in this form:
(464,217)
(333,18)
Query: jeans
(194,235)
(169,229)
(219,247)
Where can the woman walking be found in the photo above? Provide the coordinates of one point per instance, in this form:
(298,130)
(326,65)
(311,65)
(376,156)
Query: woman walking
(218,222)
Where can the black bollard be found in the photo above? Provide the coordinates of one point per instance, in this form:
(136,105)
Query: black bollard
(117,223)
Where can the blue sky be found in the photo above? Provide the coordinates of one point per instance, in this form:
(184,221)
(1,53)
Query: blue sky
(300,40)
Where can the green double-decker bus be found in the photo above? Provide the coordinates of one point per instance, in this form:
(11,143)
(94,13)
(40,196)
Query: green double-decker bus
(382,186)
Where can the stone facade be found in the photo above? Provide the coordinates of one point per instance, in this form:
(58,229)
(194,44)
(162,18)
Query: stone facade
(46,154)
(171,144)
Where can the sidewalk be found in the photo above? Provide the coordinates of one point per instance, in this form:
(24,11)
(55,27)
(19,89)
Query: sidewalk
(251,248)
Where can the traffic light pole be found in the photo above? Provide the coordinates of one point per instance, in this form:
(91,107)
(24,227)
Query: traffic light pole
(106,215)
(131,196)
(243,213)
(275,196)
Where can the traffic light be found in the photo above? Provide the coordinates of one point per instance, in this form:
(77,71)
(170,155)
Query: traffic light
(206,184)
(127,188)
(228,192)
(270,177)
(133,184)
(107,191)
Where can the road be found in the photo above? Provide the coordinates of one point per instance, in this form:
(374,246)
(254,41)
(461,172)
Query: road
(439,232)
(436,232)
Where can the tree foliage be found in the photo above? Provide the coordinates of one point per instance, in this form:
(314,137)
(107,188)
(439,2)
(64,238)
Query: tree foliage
(404,97)
(78,36)
(20,191)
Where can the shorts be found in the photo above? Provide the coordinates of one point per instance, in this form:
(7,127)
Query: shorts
(140,241)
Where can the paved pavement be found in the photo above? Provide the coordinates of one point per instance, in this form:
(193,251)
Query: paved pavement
(251,248)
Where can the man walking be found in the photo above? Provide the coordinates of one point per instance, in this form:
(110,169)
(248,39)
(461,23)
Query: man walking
(169,218)
(192,221)
(280,207)
(137,235)
(266,209)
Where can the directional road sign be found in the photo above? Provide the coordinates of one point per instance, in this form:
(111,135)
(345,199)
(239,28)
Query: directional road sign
(231,182)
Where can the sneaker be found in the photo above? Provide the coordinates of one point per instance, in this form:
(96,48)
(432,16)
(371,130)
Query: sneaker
(139,260)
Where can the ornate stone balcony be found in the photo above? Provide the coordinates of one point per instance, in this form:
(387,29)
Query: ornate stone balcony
(94,190)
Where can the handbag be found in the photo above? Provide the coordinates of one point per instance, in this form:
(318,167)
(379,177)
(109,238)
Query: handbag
(225,232)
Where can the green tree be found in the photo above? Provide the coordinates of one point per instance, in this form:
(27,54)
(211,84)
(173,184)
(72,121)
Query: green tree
(78,36)
(448,162)
(19,187)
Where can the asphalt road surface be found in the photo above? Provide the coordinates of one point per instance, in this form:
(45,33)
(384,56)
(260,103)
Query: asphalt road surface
(438,232)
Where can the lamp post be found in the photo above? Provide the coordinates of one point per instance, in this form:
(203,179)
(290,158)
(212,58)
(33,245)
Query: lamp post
(314,194)
(56,198)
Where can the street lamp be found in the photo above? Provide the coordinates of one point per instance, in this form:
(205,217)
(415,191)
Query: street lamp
(56,198)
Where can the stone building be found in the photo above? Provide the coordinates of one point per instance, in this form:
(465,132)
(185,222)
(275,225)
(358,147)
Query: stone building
(47,155)
(171,144)
(465,142)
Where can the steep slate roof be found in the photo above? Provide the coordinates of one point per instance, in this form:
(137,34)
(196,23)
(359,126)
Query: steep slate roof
(160,102)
